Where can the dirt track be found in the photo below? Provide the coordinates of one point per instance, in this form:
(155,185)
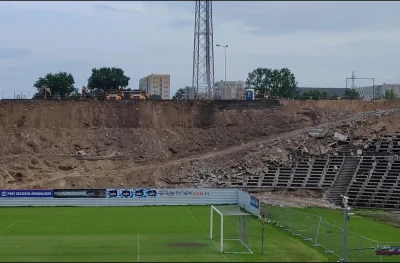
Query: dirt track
(158,141)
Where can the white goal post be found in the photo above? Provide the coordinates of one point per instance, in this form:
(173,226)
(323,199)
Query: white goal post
(230,229)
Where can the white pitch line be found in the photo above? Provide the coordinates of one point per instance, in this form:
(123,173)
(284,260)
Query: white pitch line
(208,236)
(5,229)
(138,248)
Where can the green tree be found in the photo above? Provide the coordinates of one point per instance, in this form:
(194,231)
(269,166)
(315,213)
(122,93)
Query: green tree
(390,94)
(61,85)
(274,83)
(351,94)
(314,95)
(104,79)
(179,94)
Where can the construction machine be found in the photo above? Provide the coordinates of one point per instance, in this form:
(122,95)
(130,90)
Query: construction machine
(143,95)
(46,91)
(84,92)
(114,94)
(138,94)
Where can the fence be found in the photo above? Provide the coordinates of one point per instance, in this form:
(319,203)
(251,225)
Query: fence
(320,233)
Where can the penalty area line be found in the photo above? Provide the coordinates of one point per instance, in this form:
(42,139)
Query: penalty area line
(208,236)
(5,229)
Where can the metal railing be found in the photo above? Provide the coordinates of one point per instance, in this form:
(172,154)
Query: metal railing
(321,233)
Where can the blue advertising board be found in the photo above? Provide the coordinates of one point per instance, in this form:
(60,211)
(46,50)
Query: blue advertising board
(254,202)
(132,193)
(26,193)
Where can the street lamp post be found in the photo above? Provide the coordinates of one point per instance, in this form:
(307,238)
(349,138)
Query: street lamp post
(224,46)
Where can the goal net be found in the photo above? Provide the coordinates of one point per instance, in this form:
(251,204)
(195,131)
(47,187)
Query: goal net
(230,229)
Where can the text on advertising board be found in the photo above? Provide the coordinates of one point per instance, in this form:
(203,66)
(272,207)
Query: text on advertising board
(69,193)
(182,193)
(254,202)
(26,193)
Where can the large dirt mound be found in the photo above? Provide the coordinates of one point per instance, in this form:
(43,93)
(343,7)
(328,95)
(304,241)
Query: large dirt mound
(40,140)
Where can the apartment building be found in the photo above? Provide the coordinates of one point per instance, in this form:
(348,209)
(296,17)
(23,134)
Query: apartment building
(156,84)
(230,90)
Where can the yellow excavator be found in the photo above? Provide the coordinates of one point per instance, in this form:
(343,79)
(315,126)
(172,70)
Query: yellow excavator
(114,94)
(138,94)
(119,94)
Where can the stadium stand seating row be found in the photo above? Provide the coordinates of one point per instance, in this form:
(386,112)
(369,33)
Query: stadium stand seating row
(369,181)
(311,173)
(375,183)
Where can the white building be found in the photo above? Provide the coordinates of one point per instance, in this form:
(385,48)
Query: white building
(156,85)
(230,90)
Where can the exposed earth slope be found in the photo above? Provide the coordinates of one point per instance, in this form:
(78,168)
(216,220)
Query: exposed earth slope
(77,144)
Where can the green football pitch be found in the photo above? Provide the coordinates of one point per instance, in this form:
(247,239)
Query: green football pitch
(132,234)
(140,234)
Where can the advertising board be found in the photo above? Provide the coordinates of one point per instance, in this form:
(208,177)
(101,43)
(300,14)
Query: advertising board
(254,202)
(132,193)
(26,193)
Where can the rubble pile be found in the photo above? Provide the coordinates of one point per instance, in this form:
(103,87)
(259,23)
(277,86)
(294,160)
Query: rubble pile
(355,134)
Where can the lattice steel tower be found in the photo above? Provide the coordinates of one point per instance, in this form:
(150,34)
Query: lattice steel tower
(203,52)
(353,80)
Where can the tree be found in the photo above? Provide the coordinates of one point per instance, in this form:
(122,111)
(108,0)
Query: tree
(180,94)
(352,94)
(273,83)
(104,79)
(61,85)
(390,94)
(314,95)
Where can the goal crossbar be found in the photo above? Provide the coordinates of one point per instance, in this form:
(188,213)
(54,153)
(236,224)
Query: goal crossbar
(239,227)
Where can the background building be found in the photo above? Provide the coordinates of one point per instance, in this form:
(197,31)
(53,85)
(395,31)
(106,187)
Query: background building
(380,91)
(156,85)
(230,90)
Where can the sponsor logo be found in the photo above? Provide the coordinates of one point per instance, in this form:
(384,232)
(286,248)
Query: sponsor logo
(26,193)
(152,193)
(71,193)
(126,193)
(183,193)
(388,251)
(140,193)
(254,202)
(113,193)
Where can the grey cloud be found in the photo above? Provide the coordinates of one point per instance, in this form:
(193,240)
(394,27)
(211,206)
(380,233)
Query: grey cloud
(39,18)
(180,23)
(14,53)
(111,8)
(273,19)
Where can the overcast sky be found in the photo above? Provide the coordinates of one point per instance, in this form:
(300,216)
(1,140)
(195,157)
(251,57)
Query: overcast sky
(321,42)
